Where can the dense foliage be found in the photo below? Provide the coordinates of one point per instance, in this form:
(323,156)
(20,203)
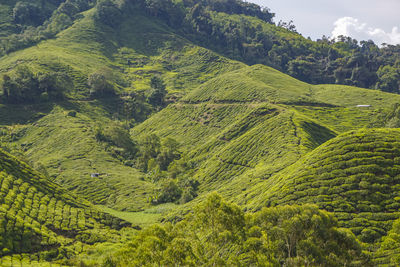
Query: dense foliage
(133,106)
(219,233)
(354,175)
(342,61)
(23,86)
(34,21)
(249,36)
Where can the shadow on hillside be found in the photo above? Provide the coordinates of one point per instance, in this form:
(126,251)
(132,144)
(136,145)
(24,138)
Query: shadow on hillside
(22,113)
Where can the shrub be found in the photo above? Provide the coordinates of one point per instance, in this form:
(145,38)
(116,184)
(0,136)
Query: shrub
(157,92)
(108,13)
(28,14)
(170,192)
(116,136)
(99,85)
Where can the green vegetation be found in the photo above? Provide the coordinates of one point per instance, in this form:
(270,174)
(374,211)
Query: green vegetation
(70,149)
(141,218)
(353,175)
(245,32)
(41,218)
(222,124)
(25,87)
(220,233)
(134,111)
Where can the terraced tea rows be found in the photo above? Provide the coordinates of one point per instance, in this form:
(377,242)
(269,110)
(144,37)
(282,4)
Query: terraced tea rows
(256,83)
(39,217)
(250,132)
(67,146)
(355,175)
(276,148)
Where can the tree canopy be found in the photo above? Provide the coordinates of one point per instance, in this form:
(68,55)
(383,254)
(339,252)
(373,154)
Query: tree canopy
(220,233)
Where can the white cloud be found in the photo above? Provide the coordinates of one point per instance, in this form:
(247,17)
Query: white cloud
(352,27)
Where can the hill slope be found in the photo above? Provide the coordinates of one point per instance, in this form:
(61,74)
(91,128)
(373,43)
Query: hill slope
(216,114)
(257,136)
(39,217)
(244,126)
(354,175)
(137,50)
(67,146)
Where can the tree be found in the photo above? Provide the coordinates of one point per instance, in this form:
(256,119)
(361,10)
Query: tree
(388,79)
(149,149)
(58,23)
(169,192)
(288,25)
(117,137)
(168,153)
(158,91)
(54,84)
(68,8)
(27,13)
(7,85)
(108,13)
(303,233)
(304,69)
(99,85)
(362,77)
(218,233)
(21,86)
(135,107)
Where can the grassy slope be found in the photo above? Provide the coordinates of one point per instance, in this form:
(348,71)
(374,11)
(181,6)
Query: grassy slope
(88,46)
(256,83)
(244,126)
(38,216)
(66,145)
(355,175)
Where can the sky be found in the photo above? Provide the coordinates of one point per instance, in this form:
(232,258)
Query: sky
(377,20)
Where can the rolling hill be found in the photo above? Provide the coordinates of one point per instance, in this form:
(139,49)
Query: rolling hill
(236,136)
(353,175)
(43,221)
(78,52)
(257,136)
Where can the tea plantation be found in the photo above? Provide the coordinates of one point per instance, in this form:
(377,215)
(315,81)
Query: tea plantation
(148,132)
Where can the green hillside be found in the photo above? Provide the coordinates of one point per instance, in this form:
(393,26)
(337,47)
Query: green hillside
(257,83)
(41,218)
(236,136)
(353,175)
(135,111)
(68,148)
(66,145)
(132,53)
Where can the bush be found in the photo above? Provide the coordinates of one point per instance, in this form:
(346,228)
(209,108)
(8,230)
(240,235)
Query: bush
(170,192)
(99,85)
(23,86)
(108,13)
(28,14)
(219,233)
(116,136)
(158,91)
